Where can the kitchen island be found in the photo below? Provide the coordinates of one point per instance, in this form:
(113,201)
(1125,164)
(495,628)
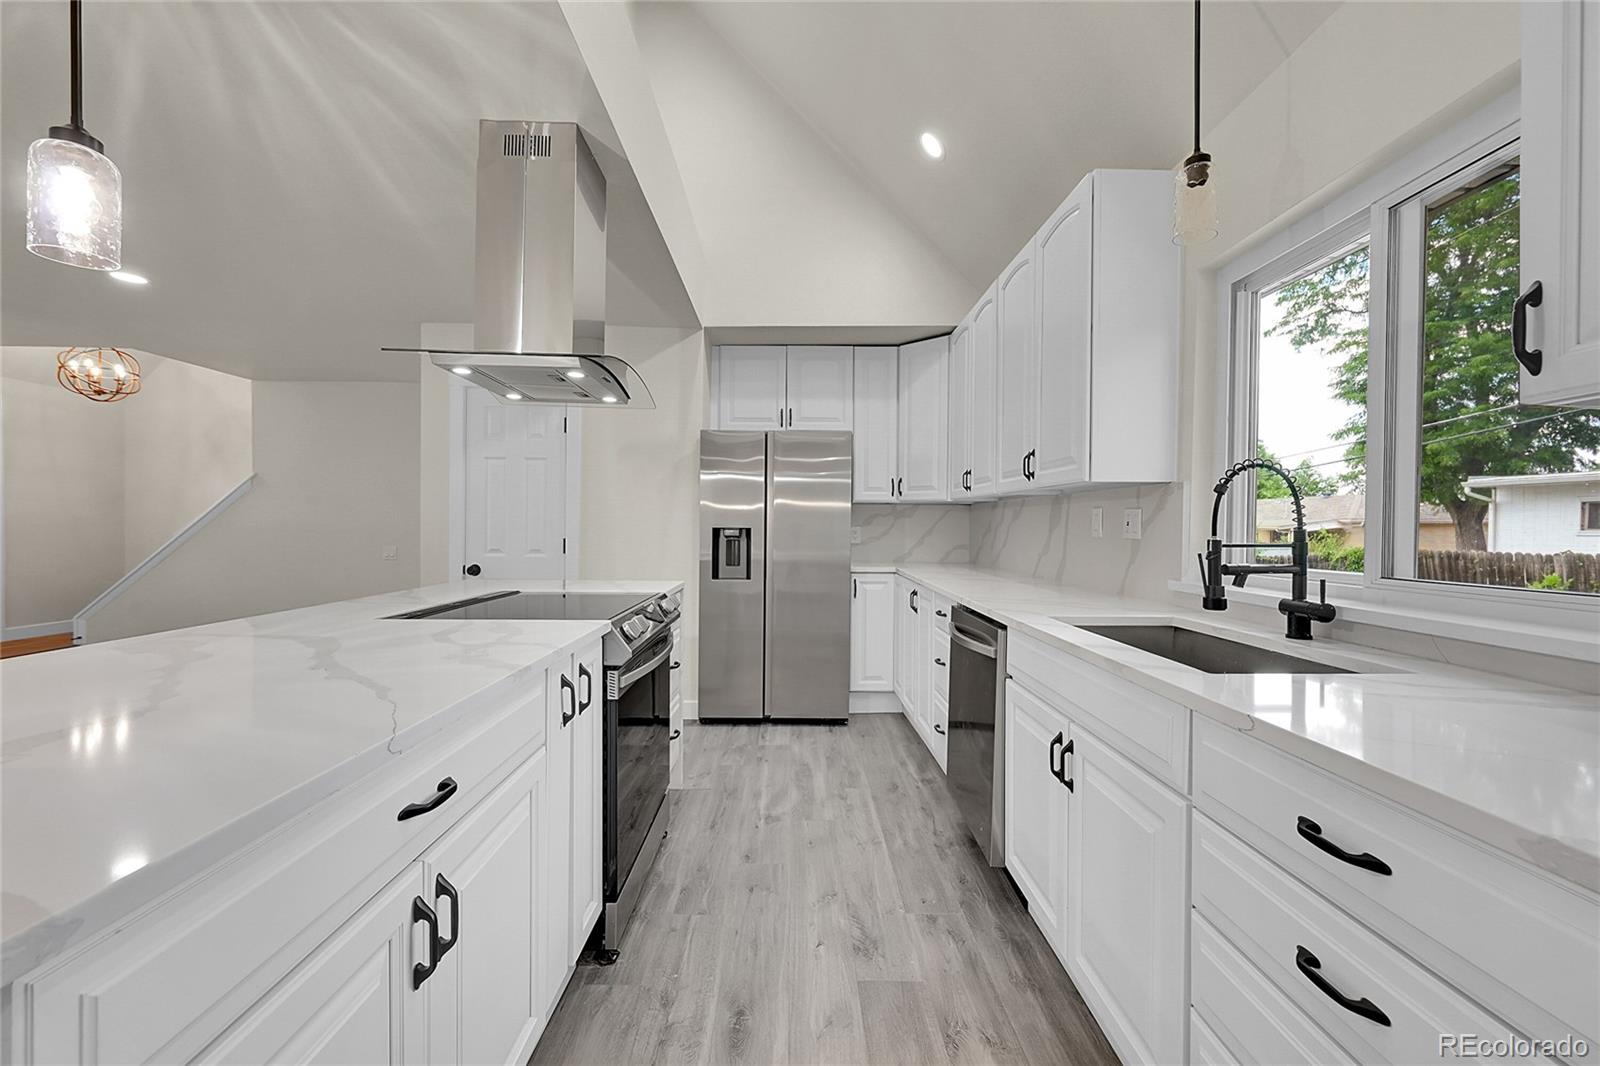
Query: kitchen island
(155,781)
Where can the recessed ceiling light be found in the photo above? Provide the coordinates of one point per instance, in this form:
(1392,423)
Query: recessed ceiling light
(128,277)
(574,374)
(932,145)
(609,399)
(462,370)
(513,395)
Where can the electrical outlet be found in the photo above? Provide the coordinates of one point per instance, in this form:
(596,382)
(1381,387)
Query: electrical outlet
(855,534)
(1097,522)
(391,551)
(1132,523)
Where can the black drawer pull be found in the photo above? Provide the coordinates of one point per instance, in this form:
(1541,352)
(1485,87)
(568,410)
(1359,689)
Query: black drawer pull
(1312,832)
(587,680)
(676,733)
(566,687)
(446,789)
(1055,744)
(421,912)
(442,887)
(937,728)
(1307,964)
(674,666)
(940,614)
(940,661)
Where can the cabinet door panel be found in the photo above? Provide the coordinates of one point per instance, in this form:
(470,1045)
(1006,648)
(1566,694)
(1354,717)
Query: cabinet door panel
(1127,910)
(981,432)
(876,417)
(1018,411)
(820,388)
(555,844)
(1037,810)
(587,799)
(959,435)
(923,412)
(872,647)
(1065,270)
(750,386)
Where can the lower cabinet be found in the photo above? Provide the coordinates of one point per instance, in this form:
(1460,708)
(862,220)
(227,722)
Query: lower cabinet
(1036,836)
(588,890)
(872,632)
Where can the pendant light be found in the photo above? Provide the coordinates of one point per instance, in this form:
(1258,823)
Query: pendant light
(104,375)
(1194,205)
(74,191)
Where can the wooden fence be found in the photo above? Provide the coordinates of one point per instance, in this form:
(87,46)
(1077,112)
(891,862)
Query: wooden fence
(1517,569)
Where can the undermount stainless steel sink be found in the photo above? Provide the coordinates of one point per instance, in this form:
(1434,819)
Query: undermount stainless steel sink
(1212,654)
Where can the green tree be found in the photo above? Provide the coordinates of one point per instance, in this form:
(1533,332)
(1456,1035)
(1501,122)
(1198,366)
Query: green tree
(1311,481)
(1471,424)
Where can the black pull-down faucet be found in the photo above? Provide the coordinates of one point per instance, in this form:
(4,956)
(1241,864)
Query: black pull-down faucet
(1299,611)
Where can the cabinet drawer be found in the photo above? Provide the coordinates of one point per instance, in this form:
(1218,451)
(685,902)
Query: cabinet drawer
(1297,939)
(183,971)
(939,663)
(1148,729)
(1245,1012)
(1524,944)
(938,730)
(941,613)
(1205,1048)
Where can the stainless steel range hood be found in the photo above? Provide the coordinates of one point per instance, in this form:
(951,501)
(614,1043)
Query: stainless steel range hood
(540,274)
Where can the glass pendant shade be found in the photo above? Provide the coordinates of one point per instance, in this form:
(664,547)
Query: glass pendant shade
(1194,205)
(74,205)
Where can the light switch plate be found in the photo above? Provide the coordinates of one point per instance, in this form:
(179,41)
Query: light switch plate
(1097,522)
(855,534)
(391,551)
(1132,523)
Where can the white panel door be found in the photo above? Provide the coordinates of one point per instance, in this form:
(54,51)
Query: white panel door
(876,419)
(959,436)
(1065,266)
(872,643)
(981,433)
(821,389)
(350,1001)
(483,998)
(1127,902)
(1560,209)
(750,386)
(516,488)
(1036,803)
(924,410)
(1018,371)
(587,797)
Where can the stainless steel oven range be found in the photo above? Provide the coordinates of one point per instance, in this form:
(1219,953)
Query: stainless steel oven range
(637,659)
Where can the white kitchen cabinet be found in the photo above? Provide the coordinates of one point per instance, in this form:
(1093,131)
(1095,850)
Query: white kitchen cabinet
(1036,805)
(1017,361)
(350,1000)
(905,642)
(1560,202)
(819,386)
(939,726)
(588,893)
(876,433)
(924,410)
(959,434)
(981,390)
(1065,271)
(1127,901)
(872,627)
(485,1002)
(751,386)
(921,680)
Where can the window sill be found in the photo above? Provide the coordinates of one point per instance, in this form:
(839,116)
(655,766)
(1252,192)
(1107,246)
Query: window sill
(1574,634)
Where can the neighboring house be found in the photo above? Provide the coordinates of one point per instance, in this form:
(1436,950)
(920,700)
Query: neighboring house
(1346,514)
(1542,512)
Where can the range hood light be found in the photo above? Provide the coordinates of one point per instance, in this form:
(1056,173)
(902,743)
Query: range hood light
(513,395)
(608,398)
(462,370)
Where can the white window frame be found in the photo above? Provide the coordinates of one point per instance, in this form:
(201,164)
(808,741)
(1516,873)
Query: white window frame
(1546,622)
(1584,531)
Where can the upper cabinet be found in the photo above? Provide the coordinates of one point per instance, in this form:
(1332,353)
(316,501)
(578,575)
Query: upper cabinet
(923,412)
(1088,341)
(773,386)
(877,432)
(958,437)
(980,392)
(1560,203)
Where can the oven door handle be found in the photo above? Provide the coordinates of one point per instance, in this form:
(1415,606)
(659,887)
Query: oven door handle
(961,637)
(635,674)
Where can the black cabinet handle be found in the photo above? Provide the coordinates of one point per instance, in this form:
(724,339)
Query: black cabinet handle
(566,687)
(940,661)
(444,791)
(1312,832)
(855,588)
(588,687)
(1307,964)
(940,614)
(1055,771)
(676,733)
(443,887)
(937,728)
(900,486)
(1065,780)
(1532,359)
(421,912)
(791,418)
(674,666)
(914,599)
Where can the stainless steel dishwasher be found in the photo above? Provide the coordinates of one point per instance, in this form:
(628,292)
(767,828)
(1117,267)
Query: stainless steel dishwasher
(977,727)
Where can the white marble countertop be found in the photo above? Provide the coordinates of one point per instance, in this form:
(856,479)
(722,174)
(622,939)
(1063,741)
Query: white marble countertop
(1510,763)
(130,766)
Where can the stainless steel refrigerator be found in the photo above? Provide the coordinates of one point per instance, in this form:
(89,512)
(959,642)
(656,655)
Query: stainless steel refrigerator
(775,575)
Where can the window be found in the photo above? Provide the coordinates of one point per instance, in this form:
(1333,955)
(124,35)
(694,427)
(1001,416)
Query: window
(1372,359)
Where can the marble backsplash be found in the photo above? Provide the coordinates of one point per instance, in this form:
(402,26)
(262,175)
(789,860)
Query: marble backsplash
(911,533)
(1048,538)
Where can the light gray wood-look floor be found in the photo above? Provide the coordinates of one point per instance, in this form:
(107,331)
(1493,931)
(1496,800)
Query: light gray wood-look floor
(818,900)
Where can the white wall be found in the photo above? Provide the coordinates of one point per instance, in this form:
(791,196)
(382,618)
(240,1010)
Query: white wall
(1541,518)
(336,480)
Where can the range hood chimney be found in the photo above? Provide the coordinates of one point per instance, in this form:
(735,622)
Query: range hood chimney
(539,280)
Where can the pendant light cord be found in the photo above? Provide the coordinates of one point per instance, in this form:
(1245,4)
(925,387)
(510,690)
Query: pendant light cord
(76,16)
(1196,75)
